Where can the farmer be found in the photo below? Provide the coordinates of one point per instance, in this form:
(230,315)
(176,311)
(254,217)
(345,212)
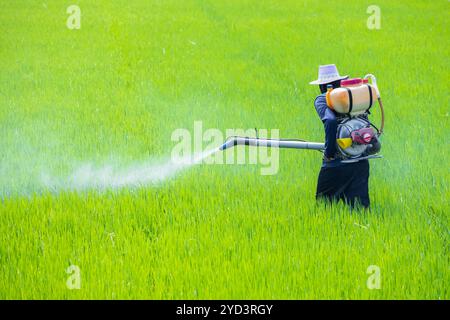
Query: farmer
(346,181)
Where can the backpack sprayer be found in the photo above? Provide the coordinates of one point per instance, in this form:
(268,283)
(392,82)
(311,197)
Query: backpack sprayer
(357,138)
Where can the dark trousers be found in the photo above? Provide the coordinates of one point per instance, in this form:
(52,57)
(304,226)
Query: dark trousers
(349,182)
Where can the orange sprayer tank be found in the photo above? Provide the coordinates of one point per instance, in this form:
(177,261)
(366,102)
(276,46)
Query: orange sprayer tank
(355,97)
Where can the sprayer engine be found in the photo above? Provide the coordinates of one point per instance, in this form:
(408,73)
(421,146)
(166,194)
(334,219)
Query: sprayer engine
(356,137)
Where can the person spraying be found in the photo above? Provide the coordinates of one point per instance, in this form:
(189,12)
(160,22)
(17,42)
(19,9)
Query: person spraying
(351,139)
(339,179)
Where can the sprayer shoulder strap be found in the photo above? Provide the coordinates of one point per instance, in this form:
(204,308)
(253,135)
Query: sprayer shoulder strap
(350,100)
(370,96)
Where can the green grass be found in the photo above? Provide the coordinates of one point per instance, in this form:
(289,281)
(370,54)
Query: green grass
(137,70)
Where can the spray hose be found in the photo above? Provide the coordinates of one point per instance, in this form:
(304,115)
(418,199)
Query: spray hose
(374,84)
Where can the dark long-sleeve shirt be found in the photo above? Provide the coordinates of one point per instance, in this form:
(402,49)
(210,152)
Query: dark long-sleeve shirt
(330,123)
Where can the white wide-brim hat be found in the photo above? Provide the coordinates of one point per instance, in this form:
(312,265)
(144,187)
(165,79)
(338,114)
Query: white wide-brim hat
(328,73)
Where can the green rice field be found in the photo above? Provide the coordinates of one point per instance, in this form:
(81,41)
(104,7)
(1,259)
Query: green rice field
(111,93)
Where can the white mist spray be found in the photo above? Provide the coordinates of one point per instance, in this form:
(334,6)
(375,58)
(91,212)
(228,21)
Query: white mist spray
(91,177)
